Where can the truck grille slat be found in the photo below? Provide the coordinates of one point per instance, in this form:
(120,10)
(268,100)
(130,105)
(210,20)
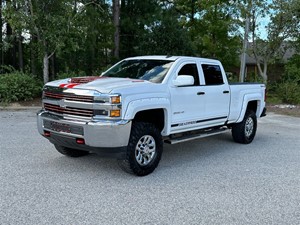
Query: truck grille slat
(70,97)
(69,110)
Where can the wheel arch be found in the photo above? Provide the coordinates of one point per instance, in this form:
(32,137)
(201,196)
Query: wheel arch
(154,111)
(154,116)
(252,104)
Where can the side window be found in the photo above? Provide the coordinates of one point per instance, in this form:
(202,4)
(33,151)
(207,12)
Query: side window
(190,69)
(212,74)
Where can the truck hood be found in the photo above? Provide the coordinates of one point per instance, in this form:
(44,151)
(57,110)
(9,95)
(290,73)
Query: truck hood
(104,85)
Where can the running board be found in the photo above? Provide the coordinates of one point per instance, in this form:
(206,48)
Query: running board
(196,136)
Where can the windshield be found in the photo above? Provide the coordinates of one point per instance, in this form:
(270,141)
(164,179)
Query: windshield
(143,69)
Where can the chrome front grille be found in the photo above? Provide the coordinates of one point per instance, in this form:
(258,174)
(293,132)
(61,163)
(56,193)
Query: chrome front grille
(69,110)
(80,103)
(67,96)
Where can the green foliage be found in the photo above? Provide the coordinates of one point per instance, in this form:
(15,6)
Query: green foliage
(281,27)
(253,78)
(214,35)
(289,92)
(18,86)
(166,37)
(6,69)
(292,70)
(288,88)
(136,16)
(78,35)
(70,74)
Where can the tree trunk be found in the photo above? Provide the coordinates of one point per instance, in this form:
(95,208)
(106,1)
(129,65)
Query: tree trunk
(244,54)
(33,54)
(264,75)
(193,12)
(75,7)
(91,40)
(14,52)
(263,72)
(9,54)
(20,50)
(116,14)
(46,67)
(52,60)
(1,40)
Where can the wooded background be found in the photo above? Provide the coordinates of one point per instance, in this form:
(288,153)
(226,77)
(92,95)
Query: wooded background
(50,38)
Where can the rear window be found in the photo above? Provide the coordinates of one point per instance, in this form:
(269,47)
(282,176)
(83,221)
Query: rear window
(212,74)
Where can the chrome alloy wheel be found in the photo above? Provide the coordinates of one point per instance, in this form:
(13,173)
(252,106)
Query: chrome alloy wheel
(145,150)
(249,127)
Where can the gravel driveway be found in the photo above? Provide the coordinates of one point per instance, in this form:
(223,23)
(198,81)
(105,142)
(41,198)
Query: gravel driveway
(208,181)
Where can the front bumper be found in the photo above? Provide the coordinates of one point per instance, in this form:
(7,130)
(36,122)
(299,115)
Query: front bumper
(103,136)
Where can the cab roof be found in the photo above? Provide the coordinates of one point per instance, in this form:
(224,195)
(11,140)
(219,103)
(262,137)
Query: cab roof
(171,58)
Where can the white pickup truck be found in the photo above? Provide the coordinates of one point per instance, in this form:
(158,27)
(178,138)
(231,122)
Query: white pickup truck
(140,103)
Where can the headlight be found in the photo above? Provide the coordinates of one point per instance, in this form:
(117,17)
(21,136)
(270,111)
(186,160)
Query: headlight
(106,98)
(101,99)
(115,99)
(110,105)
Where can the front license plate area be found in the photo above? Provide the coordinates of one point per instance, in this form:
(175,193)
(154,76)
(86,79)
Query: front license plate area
(58,127)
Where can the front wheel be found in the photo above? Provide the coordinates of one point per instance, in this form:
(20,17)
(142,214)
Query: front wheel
(144,149)
(244,132)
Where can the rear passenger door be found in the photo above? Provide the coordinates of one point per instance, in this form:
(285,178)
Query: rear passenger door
(216,94)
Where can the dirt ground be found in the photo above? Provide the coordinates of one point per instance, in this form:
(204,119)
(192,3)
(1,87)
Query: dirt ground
(34,102)
(285,109)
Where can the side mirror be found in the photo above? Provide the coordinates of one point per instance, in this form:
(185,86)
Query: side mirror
(184,80)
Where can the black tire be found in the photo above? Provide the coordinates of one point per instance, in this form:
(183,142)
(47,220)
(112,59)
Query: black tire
(144,149)
(244,132)
(70,152)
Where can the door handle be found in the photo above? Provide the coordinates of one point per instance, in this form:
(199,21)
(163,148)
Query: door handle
(225,92)
(200,93)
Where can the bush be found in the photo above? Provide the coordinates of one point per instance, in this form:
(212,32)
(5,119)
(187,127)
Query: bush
(288,89)
(17,86)
(289,92)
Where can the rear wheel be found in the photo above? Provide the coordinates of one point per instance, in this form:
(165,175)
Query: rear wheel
(244,132)
(70,151)
(144,149)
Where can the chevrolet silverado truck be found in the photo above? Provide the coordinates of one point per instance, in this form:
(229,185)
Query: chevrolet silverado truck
(140,103)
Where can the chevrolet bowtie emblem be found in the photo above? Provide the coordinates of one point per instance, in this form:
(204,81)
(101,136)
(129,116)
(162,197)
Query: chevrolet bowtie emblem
(62,103)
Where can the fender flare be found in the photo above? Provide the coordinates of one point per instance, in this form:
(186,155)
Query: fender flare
(248,98)
(139,105)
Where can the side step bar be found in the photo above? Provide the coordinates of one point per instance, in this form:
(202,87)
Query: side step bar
(191,137)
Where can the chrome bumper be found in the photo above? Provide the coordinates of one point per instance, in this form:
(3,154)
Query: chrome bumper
(96,134)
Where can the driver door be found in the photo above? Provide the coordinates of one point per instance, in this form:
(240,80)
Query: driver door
(187,101)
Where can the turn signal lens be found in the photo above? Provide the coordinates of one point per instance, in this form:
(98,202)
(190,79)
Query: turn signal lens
(116,99)
(115,113)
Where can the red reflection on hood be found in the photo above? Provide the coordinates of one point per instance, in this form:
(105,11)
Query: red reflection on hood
(79,80)
(84,80)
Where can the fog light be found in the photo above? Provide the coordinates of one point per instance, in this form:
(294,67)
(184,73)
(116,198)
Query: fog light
(47,133)
(80,141)
(115,113)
